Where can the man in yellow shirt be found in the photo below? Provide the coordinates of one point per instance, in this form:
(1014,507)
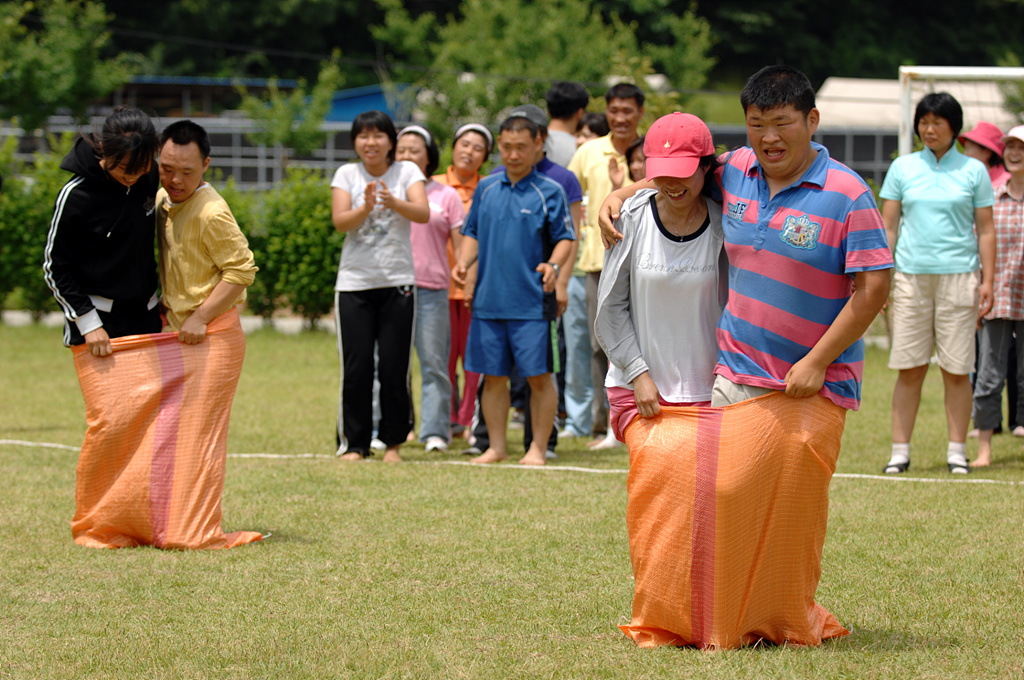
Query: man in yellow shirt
(205,261)
(590,164)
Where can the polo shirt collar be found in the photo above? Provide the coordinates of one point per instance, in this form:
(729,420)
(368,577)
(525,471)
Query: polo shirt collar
(817,174)
(453,179)
(527,176)
(947,158)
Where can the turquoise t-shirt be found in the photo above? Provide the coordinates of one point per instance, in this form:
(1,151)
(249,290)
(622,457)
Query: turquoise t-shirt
(938,199)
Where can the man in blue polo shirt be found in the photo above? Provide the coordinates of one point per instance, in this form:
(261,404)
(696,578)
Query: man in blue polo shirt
(520,231)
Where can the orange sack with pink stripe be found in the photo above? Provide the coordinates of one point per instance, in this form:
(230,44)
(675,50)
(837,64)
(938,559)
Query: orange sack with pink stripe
(151,470)
(727,514)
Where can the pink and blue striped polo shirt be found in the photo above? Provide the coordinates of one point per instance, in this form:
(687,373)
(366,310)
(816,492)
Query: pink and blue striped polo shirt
(791,263)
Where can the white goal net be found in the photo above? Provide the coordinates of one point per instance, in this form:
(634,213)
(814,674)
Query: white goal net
(990,93)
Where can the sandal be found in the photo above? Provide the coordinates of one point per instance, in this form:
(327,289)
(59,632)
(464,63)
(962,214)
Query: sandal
(958,469)
(896,468)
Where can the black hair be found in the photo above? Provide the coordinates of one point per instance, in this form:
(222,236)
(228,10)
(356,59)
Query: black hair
(433,153)
(943,105)
(631,150)
(776,86)
(625,91)
(128,136)
(710,164)
(185,132)
(596,122)
(565,98)
(516,123)
(376,120)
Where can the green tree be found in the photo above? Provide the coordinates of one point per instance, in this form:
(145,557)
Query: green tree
(293,120)
(497,54)
(51,54)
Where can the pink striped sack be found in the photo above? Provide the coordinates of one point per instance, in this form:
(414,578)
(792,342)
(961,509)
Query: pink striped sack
(727,510)
(151,470)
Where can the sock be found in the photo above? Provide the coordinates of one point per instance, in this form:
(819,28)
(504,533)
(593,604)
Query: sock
(956,453)
(900,453)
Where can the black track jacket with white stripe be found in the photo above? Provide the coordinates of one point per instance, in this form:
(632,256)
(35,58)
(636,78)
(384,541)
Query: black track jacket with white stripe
(102,236)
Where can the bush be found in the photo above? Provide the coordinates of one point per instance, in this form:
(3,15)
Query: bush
(296,248)
(25,213)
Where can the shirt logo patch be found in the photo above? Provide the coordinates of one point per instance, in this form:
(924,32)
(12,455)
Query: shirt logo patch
(736,210)
(525,211)
(800,232)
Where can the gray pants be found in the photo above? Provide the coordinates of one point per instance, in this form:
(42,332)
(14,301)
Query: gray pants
(994,340)
(598,360)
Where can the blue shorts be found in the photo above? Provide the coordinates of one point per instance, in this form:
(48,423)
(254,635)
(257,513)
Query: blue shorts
(494,346)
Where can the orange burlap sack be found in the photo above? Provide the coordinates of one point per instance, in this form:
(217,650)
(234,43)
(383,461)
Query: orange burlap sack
(151,470)
(726,514)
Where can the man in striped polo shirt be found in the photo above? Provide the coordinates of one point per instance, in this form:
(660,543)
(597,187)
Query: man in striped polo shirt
(808,257)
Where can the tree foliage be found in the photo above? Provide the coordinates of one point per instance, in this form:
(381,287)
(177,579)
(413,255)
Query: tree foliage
(25,213)
(51,57)
(497,54)
(293,120)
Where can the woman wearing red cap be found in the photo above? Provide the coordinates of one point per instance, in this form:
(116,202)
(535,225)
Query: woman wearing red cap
(985,142)
(663,352)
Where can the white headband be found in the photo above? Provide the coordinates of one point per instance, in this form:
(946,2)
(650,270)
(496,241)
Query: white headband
(421,131)
(476,127)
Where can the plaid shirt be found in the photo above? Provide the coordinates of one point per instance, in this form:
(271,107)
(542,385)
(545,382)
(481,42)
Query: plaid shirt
(1008,288)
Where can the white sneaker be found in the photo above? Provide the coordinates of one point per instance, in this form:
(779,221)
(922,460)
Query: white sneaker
(549,454)
(377,445)
(436,444)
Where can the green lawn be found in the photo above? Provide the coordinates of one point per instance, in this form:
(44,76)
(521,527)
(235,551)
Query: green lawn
(434,570)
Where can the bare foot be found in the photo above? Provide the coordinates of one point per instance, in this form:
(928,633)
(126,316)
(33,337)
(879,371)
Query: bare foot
(607,442)
(391,455)
(352,457)
(981,462)
(533,457)
(489,456)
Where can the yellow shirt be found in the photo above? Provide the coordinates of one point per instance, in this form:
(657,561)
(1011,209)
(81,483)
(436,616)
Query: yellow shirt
(200,245)
(590,165)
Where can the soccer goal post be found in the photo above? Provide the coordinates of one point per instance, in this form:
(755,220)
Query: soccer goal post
(991,93)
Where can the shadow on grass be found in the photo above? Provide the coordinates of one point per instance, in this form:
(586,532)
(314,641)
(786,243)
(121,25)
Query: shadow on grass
(882,640)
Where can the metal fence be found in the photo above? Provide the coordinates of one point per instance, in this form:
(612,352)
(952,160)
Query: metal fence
(253,167)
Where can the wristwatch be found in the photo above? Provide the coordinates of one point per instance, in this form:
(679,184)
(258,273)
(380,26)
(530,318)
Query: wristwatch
(555,267)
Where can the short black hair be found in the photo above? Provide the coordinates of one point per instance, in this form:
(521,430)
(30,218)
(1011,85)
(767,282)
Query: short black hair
(184,132)
(433,153)
(943,105)
(376,120)
(566,98)
(595,122)
(776,86)
(625,91)
(128,136)
(516,123)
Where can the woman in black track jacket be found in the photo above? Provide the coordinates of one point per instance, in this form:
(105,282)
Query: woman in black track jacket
(99,259)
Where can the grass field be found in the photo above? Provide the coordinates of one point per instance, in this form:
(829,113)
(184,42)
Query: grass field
(436,570)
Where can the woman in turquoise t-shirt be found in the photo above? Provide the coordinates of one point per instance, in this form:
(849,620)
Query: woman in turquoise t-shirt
(938,216)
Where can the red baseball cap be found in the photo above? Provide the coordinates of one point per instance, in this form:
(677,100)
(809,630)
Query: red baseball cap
(675,144)
(986,135)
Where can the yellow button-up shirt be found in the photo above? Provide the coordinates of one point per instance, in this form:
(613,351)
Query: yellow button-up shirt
(590,165)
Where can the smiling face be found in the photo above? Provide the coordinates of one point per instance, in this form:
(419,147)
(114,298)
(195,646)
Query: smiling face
(518,152)
(680,192)
(181,169)
(781,139)
(411,147)
(1013,156)
(120,174)
(469,154)
(623,117)
(935,133)
(372,147)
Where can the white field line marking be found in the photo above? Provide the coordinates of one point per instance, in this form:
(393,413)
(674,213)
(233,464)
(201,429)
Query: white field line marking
(552,468)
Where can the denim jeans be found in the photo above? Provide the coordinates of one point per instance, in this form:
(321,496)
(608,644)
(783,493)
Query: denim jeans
(432,341)
(994,340)
(579,392)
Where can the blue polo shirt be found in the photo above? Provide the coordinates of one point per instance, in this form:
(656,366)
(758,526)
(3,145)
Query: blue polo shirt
(516,228)
(937,200)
